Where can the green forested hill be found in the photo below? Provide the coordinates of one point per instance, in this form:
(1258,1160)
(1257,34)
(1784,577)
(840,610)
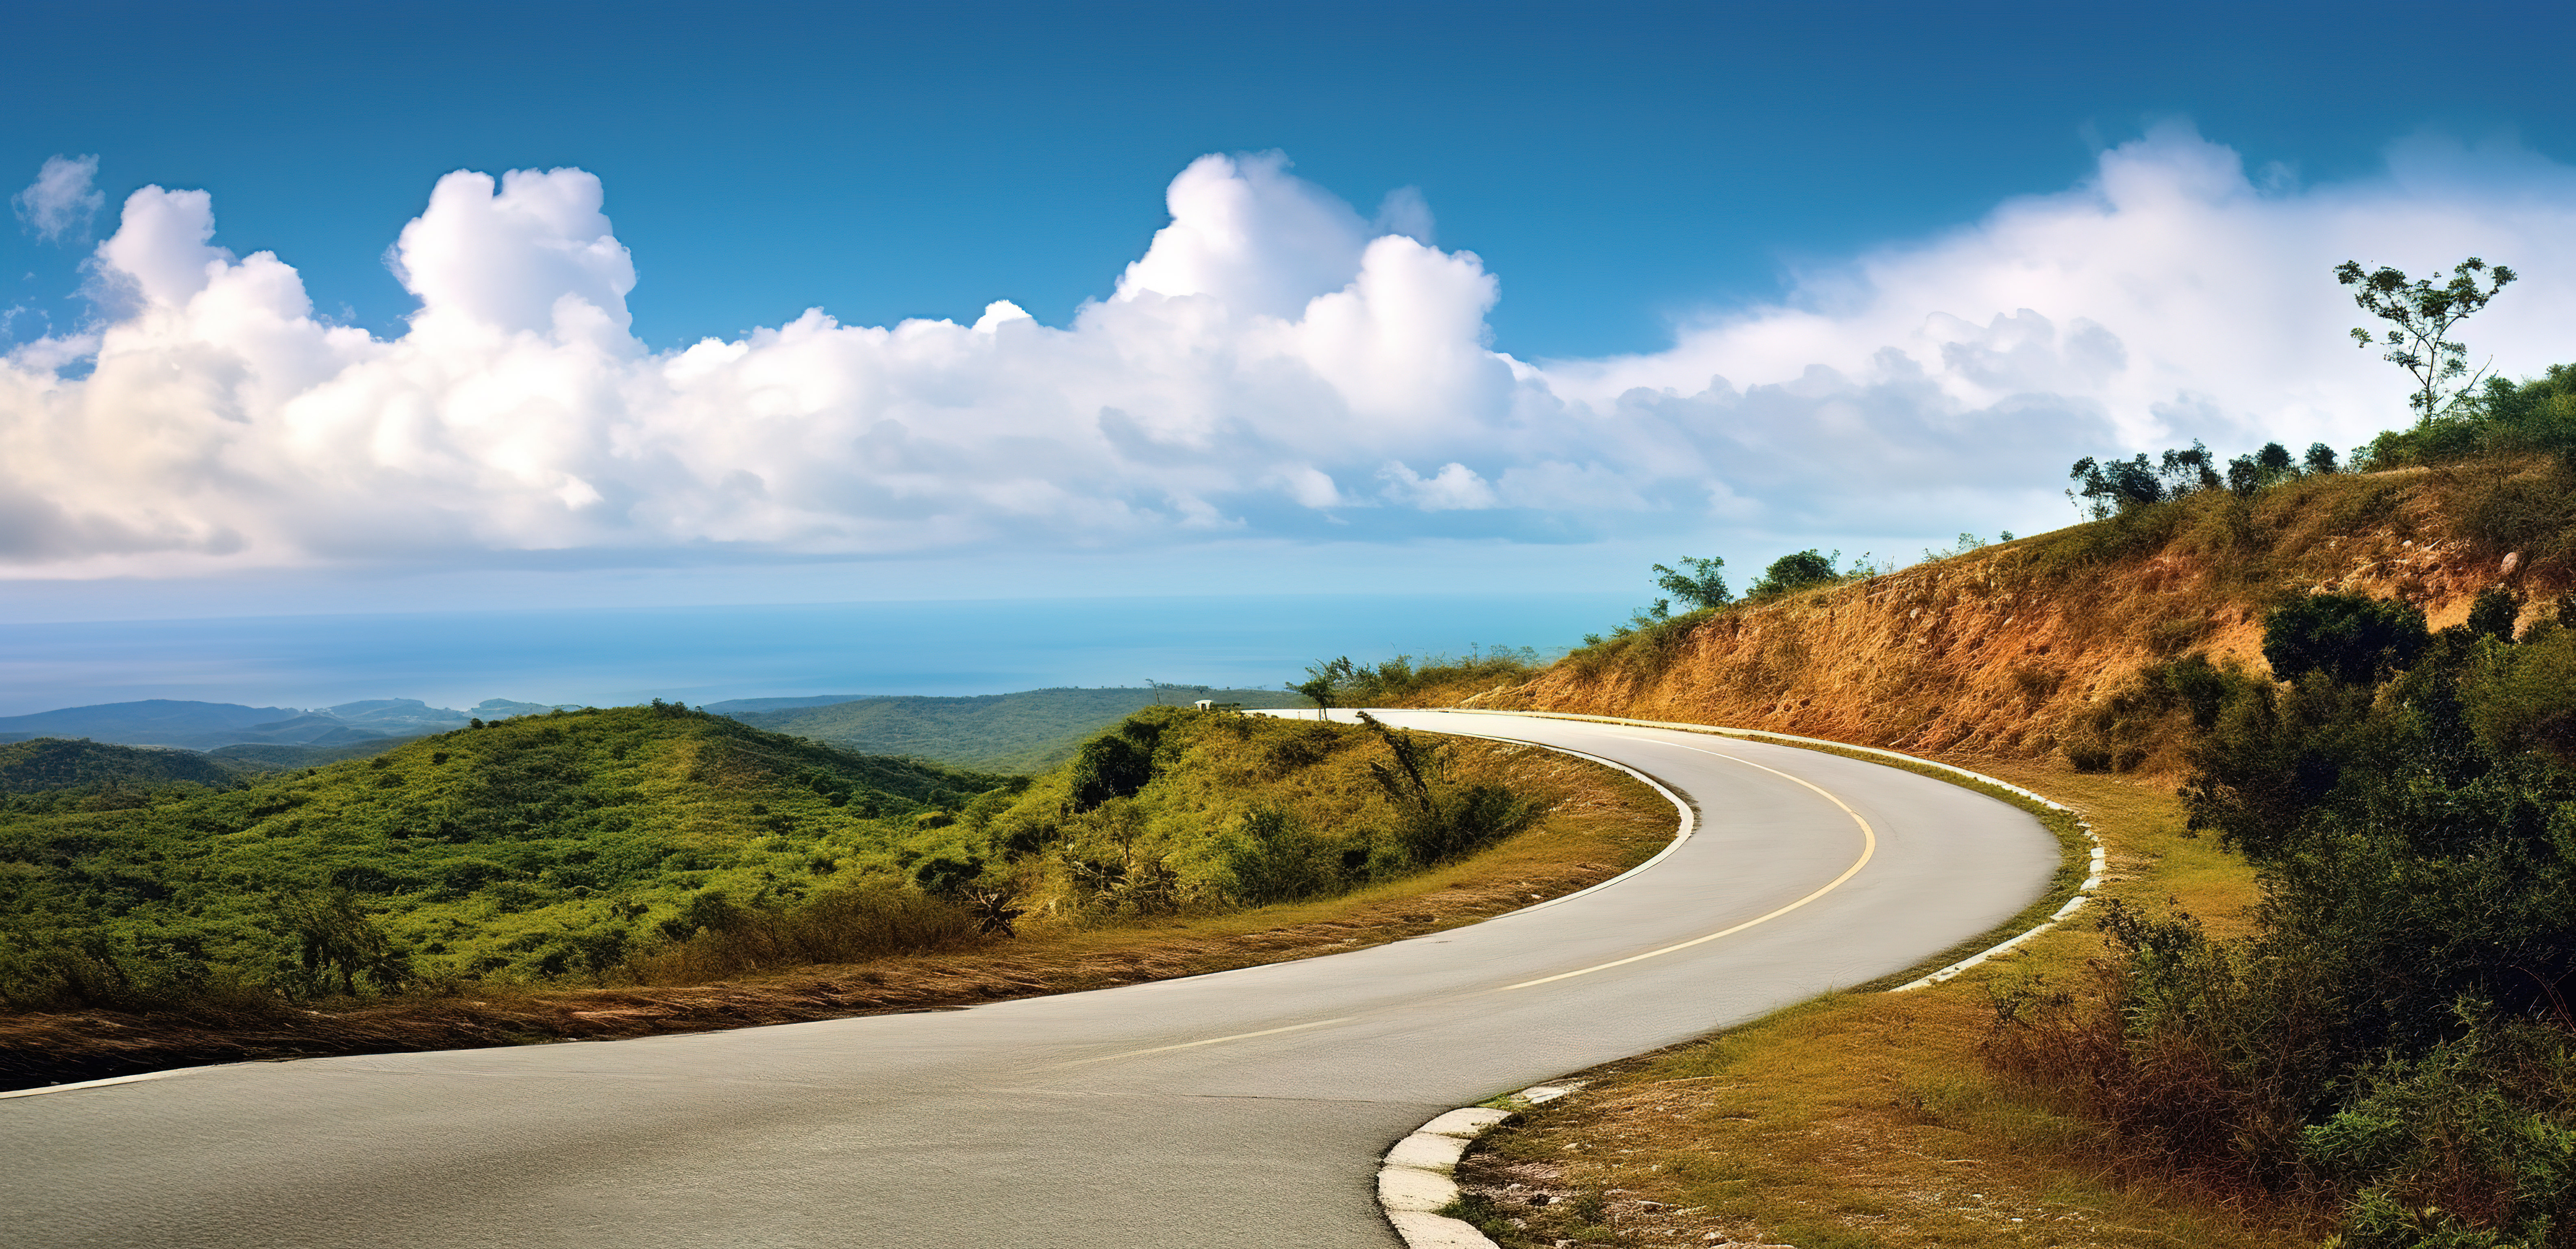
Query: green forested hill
(48,763)
(534,846)
(281,757)
(1026,732)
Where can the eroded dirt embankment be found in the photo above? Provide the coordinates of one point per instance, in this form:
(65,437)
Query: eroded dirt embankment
(2043,648)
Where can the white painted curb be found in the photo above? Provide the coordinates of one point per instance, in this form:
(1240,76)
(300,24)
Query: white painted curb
(1416,1180)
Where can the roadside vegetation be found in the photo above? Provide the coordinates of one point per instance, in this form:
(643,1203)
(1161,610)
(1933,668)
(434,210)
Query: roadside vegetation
(2393,1037)
(1408,681)
(2326,997)
(1872,1118)
(623,870)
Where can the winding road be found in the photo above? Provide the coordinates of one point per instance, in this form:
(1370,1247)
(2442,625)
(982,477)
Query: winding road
(1242,1108)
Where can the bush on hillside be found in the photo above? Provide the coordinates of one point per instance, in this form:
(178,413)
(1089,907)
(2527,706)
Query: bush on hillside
(2351,638)
(1408,680)
(714,937)
(2502,419)
(1798,570)
(1272,856)
(1699,583)
(1240,810)
(2396,1028)
(1438,818)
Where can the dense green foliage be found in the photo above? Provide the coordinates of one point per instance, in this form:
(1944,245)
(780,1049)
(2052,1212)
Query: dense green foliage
(2397,1027)
(1029,731)
(2108,488)
(1404,679)
(49,763)
(529,848)
(1795,571)
(2502,418)
(2351,638)
(1176,809)
(668,845)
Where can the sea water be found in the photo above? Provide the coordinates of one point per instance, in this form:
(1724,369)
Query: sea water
(708,654)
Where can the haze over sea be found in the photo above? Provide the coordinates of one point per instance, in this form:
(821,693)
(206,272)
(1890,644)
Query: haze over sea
(609,657)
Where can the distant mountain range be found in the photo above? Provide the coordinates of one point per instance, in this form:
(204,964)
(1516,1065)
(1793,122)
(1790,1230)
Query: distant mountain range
(212,726)
(1028,731)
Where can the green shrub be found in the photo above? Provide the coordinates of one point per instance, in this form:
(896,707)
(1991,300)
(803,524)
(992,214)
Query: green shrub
(1436,819)
(1795,571)
(1273,857)
(2352,638)
(2395,1029)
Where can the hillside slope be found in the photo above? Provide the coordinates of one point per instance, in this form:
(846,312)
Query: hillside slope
(2062,646)
(256,757)
(527,847)
(48,763)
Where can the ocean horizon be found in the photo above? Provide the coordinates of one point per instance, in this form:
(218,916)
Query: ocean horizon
(616,656)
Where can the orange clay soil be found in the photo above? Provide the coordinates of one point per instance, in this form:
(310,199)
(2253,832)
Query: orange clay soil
(2018,649)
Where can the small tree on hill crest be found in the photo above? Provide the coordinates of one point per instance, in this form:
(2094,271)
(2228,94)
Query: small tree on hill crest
(2421,316)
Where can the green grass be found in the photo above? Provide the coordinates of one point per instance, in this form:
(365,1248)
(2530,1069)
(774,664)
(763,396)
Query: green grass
(661,845)
(531,848)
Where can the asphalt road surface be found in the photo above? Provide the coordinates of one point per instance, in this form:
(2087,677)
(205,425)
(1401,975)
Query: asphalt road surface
(1243,1108)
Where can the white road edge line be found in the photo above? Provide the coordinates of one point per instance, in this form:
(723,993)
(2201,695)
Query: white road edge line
(1868,851)
(1689,824)
(1405,1184)
(100,1084)
(2084,893)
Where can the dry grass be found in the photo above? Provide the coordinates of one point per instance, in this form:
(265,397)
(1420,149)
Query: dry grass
(2014,650)
(1604,822)
(1869,1119)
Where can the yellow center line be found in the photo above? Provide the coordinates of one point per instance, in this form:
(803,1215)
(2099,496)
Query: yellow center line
(1869,848)
(1214,1040)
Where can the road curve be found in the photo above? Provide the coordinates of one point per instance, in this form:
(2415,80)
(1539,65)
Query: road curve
(1242,1108)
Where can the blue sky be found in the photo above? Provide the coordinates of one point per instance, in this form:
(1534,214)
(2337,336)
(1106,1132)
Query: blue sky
(1619,164)
(1668,217)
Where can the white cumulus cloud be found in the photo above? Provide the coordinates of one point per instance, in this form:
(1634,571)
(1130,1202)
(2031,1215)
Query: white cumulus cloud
(1274,365)
(62,200)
